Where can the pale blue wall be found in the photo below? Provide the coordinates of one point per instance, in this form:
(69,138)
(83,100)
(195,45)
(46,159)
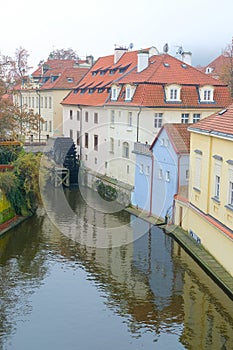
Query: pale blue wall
(166,159)
(141,194)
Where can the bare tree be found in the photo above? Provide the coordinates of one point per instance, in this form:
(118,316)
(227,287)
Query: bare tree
(63,54)
(226,73)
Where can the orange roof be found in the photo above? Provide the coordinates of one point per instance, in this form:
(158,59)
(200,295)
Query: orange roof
(102,74)
(162,70)
(166,69)
(178,135)
(57,74)
(217,66)
(216,124)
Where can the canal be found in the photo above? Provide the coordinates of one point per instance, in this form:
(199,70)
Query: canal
(82,274)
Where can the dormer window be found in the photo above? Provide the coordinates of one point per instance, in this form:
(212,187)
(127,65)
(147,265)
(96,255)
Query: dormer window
(209,70)
(114,92)
(206,94)
(129,91)
(172,93)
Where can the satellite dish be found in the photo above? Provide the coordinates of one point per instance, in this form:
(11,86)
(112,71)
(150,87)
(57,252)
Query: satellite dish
(166,48)
(130,46)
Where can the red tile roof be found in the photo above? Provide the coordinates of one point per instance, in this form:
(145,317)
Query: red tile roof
(102,74)
(217,65)
(216,124)
(150,83)
(179,137)
(57,74)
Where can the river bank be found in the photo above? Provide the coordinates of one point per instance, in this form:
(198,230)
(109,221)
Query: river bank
(204,259)
(9,224)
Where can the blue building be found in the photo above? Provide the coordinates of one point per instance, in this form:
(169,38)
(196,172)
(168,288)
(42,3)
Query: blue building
(162,170)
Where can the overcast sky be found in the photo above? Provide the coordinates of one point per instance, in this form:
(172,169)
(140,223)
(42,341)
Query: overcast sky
(203,27)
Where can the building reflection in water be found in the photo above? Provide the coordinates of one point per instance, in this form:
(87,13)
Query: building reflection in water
(146,278)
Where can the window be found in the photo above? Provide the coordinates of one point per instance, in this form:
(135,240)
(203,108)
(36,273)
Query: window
(86,117)
(127,169)
(147,170)
(86,140)
(96,118)
(167,176)
(184,118)
(95,160)
(29,102)
(160,174)
(187,174)
(46,125)
(37,102)
(71,114)
(86,157)
(33,102)
(78,137)
(196,117)
(217,186)
(50,126)
(96,142)
(207,95)
(197,178)
(230,193)
(173,94)
(71,133)
(111,144)
(130,119)
(141,169)
(114,93)
(128,93)
(46,102)
(50,102)
(125,150)
(112,117)
(158,121)
(78,115)
(41,102)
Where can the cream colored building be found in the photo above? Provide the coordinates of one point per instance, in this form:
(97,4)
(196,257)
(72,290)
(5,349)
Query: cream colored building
(134,93)
(43,91)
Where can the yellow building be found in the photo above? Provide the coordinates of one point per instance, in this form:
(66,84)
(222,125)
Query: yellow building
(208,213)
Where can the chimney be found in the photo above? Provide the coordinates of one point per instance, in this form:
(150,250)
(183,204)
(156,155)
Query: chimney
(90,60)
(143,60)
(118,52)
(186,57)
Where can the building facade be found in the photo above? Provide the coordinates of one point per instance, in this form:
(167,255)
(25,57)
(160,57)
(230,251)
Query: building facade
(43,91)
(208,213)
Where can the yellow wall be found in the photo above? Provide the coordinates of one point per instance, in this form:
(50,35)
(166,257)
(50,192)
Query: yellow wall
(206,211)
(214,240)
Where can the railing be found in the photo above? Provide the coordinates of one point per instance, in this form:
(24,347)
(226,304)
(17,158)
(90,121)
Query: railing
(142,148)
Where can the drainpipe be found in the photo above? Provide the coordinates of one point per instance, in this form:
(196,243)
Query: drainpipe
(38,94)
(140,109)
(81,132)
(151,183)
(178,188)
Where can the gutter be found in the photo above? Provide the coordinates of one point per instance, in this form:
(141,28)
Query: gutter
(151,183)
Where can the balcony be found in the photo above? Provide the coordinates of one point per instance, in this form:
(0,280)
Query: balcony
(142,148)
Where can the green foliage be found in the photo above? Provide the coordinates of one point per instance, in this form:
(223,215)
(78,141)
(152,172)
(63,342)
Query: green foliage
(26,169)
(21,186)
(6,214)
(9,154)
(107,192)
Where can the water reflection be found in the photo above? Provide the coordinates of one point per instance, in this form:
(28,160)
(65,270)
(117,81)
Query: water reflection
(149,285)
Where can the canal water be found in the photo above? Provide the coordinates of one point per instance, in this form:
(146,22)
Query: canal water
(68,283)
